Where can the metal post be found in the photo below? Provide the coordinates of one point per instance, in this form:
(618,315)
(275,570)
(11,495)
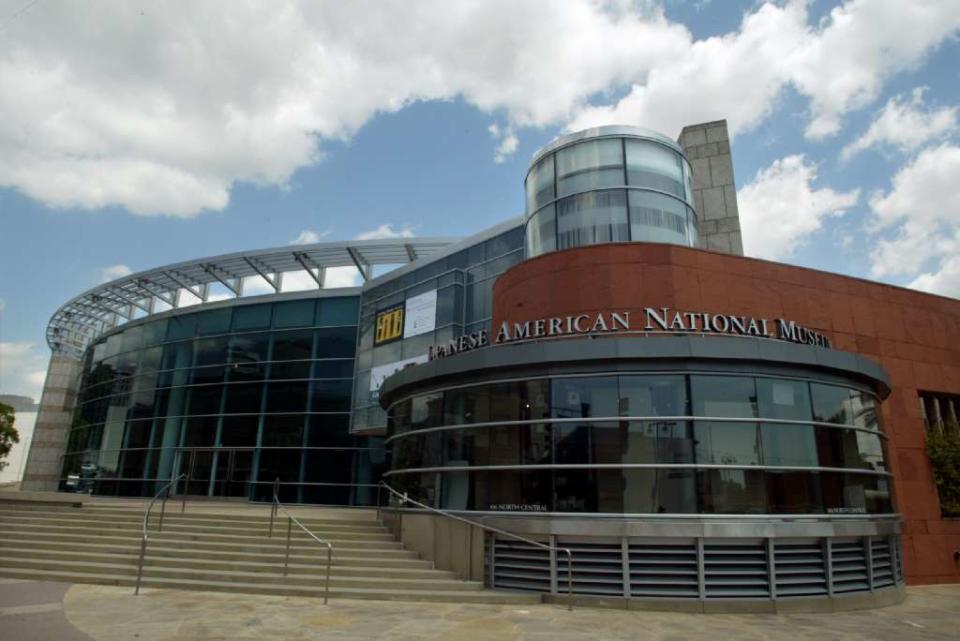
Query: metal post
(163,508)
(186,486)
(143,552)
(569,581)
(378,502)
(286,559)
(326,589)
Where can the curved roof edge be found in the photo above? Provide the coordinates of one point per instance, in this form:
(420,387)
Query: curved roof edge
(629,131)
(83,318)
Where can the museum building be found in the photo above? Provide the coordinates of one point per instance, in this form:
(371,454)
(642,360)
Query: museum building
(606,374)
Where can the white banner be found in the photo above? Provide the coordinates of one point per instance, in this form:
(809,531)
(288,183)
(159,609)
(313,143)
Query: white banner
(379,373)
(421,314)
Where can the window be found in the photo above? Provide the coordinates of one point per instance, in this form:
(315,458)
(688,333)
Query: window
(783,399)
(726,396)
(248,317)
(295,313)
(655,166)
(653,396)
(337,311)
(582,397)
(539,184)
(592,218)
(589,165)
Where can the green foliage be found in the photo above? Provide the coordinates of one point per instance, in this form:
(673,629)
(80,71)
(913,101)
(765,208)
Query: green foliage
(8,433)
(943,448)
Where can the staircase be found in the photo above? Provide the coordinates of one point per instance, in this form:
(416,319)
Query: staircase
(225,552)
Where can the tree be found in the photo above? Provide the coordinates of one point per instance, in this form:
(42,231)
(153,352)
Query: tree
(943,448)
(8,433)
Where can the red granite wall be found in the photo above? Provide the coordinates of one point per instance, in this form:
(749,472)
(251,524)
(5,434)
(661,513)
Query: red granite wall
(915,336)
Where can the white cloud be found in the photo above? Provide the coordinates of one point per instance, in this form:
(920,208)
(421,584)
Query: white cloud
(923,209)
(507,142)
(308,236)
(905,125)
(944,281)
(862,44)
(780,208)
(840,65)
(114,272)
(23,368)
(162,107)
(385,231)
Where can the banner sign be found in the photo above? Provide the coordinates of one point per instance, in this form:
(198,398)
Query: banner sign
(388,326)
(379,373)
(420,314)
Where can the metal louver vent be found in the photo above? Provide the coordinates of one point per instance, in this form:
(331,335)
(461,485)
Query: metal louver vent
(849,562)
(660,569)
(597,567)
(799,568)
(882,558)
(519,566)
(736,569)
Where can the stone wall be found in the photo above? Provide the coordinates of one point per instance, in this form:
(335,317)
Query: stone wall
(707,147)
(42,472)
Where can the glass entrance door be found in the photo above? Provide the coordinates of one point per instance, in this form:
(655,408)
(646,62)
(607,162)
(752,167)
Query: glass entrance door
(222,472)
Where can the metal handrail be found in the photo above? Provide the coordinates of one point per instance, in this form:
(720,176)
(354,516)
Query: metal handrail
(406,499)
(291,519)
(165,491)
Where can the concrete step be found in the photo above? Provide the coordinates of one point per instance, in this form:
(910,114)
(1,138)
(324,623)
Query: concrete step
(233,576)
(441,596)
(318,556)
(244,564)
(337,540)
(308,516)
(173,525)
(263,545)
(174,516)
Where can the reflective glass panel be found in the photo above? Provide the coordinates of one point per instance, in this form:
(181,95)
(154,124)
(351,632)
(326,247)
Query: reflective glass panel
(592,218)
(653,396)
(654,166)
(783,399)
(589,165)
(789,445)
(582,397)
(540,184)
(727,443)
(726,396)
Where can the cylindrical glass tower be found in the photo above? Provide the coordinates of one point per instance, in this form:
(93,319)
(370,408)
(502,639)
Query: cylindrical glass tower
(609,184)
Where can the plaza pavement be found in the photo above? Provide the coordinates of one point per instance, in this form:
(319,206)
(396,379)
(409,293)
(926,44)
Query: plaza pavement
(39,611)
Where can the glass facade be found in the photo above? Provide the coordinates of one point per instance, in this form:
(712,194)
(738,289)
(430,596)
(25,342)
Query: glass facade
(236,397)
(463,282)
(609,189)
(644,444)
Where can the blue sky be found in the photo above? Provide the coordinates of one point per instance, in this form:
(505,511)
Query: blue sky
(134,135)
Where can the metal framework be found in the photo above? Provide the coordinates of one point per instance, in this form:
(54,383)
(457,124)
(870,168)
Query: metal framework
(97,310)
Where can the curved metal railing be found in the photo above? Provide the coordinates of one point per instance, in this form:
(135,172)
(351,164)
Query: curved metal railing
(165,491)
(489,528)
(291,519)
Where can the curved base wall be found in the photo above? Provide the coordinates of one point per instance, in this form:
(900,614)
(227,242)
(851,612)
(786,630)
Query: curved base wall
(703,565)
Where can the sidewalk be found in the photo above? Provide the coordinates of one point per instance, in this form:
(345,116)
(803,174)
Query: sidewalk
(114,614)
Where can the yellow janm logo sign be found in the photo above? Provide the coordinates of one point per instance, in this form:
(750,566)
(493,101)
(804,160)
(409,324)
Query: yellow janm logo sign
(389,326)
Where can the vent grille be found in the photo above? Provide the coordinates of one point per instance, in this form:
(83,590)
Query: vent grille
(736,569)
(597,567)
(799,568)
(719,569)
(663,569)
(520,566)
(849,562)
(883,570)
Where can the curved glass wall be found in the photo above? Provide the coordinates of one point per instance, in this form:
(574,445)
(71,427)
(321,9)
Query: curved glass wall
(236,397)
(606,189)
(644,444)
